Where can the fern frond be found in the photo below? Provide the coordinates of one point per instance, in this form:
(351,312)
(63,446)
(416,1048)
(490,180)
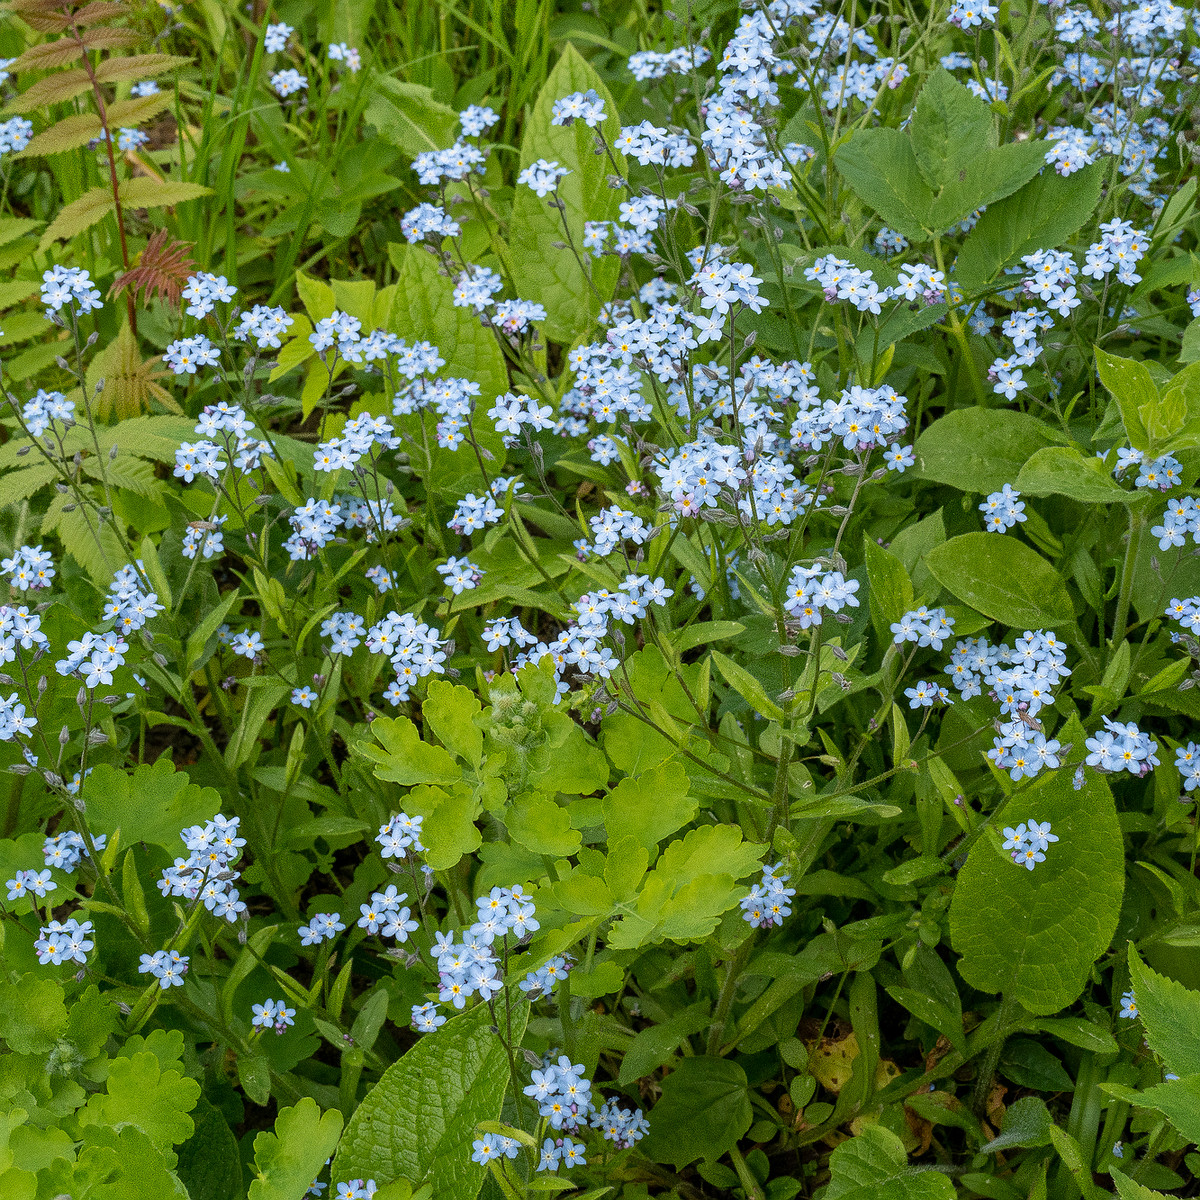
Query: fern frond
(163,270)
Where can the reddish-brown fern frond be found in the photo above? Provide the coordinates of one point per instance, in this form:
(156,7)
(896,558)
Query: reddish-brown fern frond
(163,269)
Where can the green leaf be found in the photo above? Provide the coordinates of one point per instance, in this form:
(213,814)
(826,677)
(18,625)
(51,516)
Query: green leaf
(418,1122)
(1034,935)
(1063,471)
(541,272)
(1003,579)
(423,308)
(1170,1015)
(32,1014)
(980,449)
(403,758)
(140,1092)
(874,1166)
(891,594)
(450,711)
(210,1165)
(656,1044)
(703,1111)
(650,806)
(1132,386)
(541,825)
(409,116)
(448,831)
(288,1160)
(748,687)
(1177,1099)
(1045,212)
(996,174)
(150,804)
(1026,1123)
(881,168)
(1130,1189)
(123,1164)
(950,129)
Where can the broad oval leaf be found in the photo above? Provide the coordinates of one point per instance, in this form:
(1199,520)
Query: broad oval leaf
(1034,935)
(980,449)
(1062,471)
(543,272)
(1002,578)
(418,1122)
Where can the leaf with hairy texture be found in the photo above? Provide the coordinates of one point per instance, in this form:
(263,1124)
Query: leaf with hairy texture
(1002,578)
(287,1160)
(1034,935)
(408,115)
(418,1122)
(1063,471)
(16,486)
(147,192)
(97,550)
(130,382)
(572,294)
(1170,1015)
(874,1166)
(94,205)
(52,89)
(1046,211)
(139,66)
(67,134)
(881,168)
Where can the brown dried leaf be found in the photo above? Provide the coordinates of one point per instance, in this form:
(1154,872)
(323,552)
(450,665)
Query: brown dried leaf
(162,270)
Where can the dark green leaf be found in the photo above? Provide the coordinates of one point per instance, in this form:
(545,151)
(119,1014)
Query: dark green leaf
(703,1111)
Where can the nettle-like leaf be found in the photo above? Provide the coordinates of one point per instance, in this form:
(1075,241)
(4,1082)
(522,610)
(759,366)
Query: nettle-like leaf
(573,295)
(1170,1015)
(874,1166)
(1034,935)
(417,1123)
(703,1111)
(981,449)
(943,169)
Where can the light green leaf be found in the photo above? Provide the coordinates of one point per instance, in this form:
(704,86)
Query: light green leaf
(650,806)
(409,116)
(1170,1015)
(1063,471)
(288,1160)
(32,1014)
(150,804)
(140,1092)
(542,272)
(450,711)
(1034,935)
(1003,579)
(448,830)
(1130,1189)
(1133,388)
(1026,1123)
(874,1166)
(748,687)
(403,758)
(541,825)
(419,1120)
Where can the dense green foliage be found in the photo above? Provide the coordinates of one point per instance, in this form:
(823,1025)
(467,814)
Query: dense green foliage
(601,600)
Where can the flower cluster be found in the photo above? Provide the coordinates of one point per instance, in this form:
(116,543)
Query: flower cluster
(207,874)
(925,626)
(272,1014)
(167,966)
(1002,510)
(29,568)
(64,941)
(71,287)
(1122,746)
(769,900)
(1028,843)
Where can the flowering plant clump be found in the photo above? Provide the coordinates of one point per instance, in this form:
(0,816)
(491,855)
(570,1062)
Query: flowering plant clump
(554,568)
